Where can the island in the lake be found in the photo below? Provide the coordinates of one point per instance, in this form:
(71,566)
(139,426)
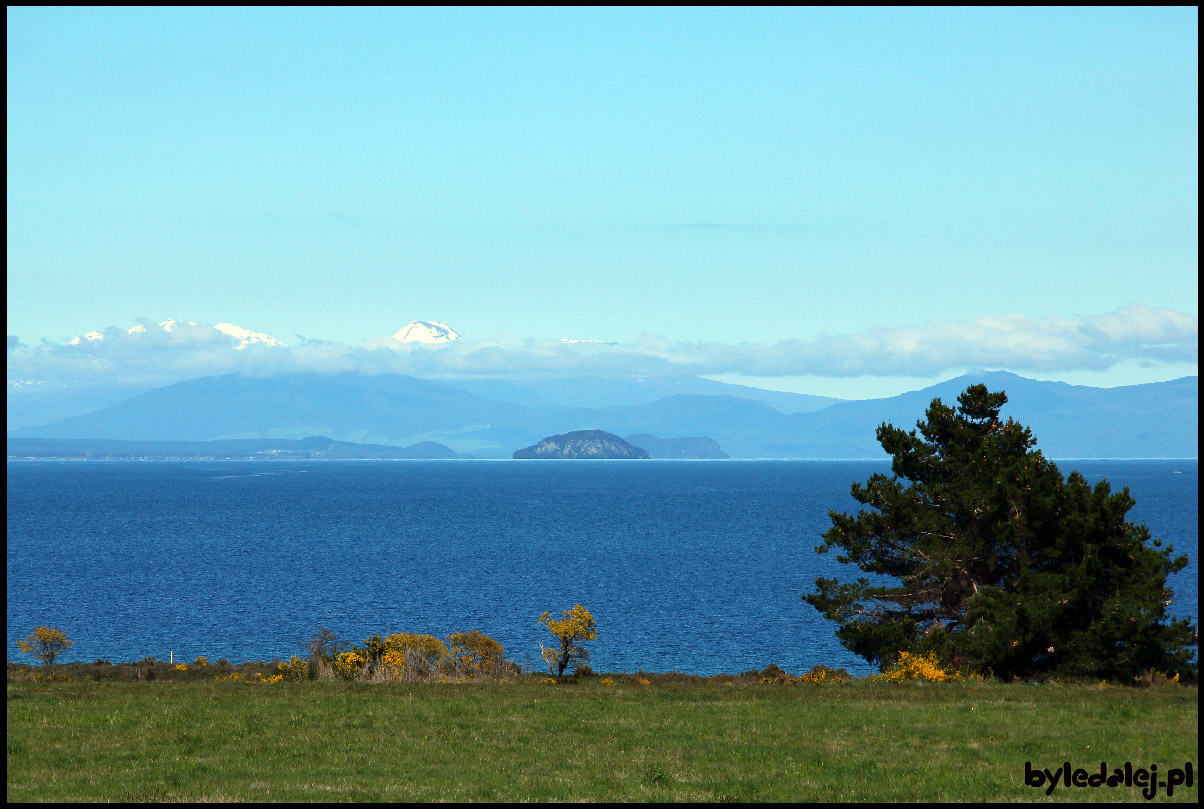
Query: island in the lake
(583,444)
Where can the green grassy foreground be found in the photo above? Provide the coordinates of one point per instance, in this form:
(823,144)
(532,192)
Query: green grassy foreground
(201,740)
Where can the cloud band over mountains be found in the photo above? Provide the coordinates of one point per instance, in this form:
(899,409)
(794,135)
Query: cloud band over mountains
(1014,342)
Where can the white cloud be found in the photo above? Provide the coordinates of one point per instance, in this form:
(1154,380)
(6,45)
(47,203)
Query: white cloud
(1011,341)
(1016,342)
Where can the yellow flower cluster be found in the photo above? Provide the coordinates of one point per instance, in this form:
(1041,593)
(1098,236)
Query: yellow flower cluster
(428,646)
(474,654)
(348,665)
(180,667)
(201,661)
(574,628)
(645,681)
(295,669)
(822,674)
(607,681)
(258,679)
(917,667)
(577,623)
(46,643)
(394,662)
(40,676)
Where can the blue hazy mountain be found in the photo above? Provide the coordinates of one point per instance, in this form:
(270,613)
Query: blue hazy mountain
(619,390)
(1156,420)
(32,404)
(388,409)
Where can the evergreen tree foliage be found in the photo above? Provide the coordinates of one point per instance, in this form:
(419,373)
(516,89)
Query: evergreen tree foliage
(986,556)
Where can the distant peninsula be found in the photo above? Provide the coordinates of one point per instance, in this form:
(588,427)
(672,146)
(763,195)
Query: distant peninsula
(583,444)
(693,448)
(234,449)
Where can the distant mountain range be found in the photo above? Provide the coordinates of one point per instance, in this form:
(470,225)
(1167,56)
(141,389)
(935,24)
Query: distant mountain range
(613,391)
(489,418)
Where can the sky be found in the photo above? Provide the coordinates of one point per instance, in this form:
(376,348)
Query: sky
(846,202)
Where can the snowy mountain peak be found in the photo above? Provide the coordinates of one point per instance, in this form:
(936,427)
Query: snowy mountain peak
(244,337)
(170,325)
(427,331)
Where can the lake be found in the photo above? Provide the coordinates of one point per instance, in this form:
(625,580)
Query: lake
(693,566)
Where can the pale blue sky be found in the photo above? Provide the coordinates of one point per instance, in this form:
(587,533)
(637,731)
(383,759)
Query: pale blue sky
(713,176)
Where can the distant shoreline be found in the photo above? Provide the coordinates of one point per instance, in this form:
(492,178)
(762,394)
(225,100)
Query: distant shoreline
(74,459)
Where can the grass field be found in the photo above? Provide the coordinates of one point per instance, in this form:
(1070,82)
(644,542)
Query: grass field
(201,740)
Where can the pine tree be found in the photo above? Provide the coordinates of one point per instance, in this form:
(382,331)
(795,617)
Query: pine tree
(985,555)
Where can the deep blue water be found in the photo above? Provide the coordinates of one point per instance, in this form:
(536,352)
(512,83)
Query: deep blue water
(697,566)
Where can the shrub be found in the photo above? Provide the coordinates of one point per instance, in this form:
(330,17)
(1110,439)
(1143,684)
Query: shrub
(823,674)
(917,667)
(474,655)
(325,645)
(411,657)
(348,665)
(295,670)
(1156,679)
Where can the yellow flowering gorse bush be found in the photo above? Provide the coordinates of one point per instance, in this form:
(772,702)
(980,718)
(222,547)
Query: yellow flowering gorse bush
(349,664)
(294,669)
(474,654)
(917,667)
(411,656)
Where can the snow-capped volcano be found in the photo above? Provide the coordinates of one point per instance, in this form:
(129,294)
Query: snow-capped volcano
(427,331)
(244,337)
(167,325)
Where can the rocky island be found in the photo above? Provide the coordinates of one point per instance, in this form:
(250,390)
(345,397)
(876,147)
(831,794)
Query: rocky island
(583,444)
